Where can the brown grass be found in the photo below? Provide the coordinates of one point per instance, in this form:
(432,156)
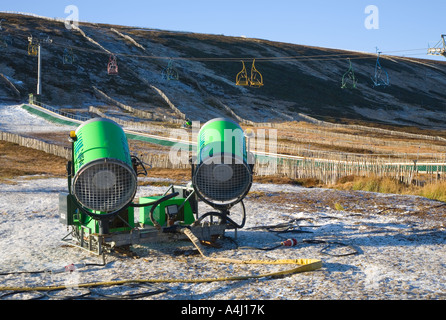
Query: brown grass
(307,183)
(16,161)
(435,190)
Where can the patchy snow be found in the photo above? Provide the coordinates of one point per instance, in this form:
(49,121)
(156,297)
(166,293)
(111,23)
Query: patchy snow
(399,243)
(400,253)
(13,118)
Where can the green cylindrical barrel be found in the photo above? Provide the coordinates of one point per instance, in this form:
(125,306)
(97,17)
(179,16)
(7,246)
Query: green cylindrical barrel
(221,136)
(222,176)
(100,138)
(104,179)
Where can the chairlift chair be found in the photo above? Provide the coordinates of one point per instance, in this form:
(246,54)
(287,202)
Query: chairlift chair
(242,77)
(3,43)
(6,40)
(381,78)
(32,47)
(256,77)
(112,67)
(68,57)
(170,73)
(348,79)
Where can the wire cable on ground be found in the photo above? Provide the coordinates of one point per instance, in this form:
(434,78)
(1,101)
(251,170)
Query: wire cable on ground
(290,227)
(70,267)
(299,266)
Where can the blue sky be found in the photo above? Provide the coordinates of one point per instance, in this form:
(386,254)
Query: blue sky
(405,27)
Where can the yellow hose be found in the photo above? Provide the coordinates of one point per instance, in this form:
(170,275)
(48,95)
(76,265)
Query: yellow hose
(302,265)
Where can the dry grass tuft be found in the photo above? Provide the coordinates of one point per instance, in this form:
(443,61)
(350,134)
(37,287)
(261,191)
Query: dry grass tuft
(16,161)
(307,182)
(435,190)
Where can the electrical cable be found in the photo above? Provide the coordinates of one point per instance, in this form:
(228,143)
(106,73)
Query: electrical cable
(156,202)
(65,296)
(299,266)
(67,268)
(329,244)
(224,217)
(39,296)
(137,295)
(288,227)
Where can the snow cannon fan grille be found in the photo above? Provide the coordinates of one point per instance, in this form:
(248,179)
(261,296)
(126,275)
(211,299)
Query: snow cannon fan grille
(104,179)
(222,176)
(106,185)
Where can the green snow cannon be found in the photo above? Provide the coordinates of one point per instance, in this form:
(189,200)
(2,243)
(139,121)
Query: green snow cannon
(104,181)
(221,176)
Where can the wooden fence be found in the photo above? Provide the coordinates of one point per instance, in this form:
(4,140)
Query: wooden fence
(371,129)
(57,150)
(326,171)
(329,171)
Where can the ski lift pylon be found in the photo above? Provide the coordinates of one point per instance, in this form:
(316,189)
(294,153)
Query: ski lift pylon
(32,47)
(112,67)
(348,78)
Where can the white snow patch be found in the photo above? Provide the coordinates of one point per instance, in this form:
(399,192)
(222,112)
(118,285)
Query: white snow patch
(399,257)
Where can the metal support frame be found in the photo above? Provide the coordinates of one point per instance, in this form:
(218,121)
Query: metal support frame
(102,243)
(82,237)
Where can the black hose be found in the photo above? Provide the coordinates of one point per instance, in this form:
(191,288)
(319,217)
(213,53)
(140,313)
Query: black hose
(224,217)
(156,202)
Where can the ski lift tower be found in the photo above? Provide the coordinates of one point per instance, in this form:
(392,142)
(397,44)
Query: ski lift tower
(438,50)
(39,42)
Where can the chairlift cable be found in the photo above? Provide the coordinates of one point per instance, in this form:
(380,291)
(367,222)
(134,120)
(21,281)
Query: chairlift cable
(323,57)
